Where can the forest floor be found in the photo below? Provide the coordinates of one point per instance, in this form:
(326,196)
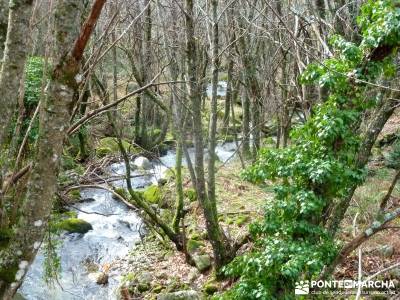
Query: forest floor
(155,267)
(239,203)
(382,250)
(164,269)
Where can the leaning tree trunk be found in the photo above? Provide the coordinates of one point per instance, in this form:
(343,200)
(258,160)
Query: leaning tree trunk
(16,256)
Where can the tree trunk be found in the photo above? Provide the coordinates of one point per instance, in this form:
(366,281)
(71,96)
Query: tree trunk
(15,54)
(378,121)
(3,25)
(54,120)
(245,123)
(221,248)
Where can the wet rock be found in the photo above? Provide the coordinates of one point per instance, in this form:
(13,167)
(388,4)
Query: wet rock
(85,200)
(99,277)
(125,223)
(142,163)
(202,262)
(18,296)
(74,225)
(181,295)
(102,278)
(386,251)
(162,181)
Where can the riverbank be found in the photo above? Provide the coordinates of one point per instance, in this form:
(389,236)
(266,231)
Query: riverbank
(154,268)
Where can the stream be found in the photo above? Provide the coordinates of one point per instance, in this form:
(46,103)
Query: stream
(115,232)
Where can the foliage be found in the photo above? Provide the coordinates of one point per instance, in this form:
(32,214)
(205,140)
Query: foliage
(33,82)
(318,167)
(33,86)
(393,159)
(52,261)
(152,194)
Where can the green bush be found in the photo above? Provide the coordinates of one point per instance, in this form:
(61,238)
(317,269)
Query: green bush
(318,168)
(33,86)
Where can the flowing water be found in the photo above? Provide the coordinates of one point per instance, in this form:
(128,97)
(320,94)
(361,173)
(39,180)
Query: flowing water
(115,232)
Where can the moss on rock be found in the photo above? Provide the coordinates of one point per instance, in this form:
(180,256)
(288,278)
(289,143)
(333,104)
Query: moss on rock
(202,262)
(241,220)
(210,288)
(190,194)
(8,274)
(109,145)
(152,194)
(194,246)
(74,225)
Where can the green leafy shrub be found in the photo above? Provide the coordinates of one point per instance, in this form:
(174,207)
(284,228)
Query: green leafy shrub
(33,86)
(292,243)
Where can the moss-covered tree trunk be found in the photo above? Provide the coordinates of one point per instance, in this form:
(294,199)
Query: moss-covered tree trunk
(12,70)
(221,247)
(16,256)
(15,53)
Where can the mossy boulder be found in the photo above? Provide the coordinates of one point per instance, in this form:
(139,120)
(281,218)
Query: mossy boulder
(152,194)
(74,225)
(70,214)
(195,236)
(109,145)
(18,296)
(241,220)
(190,194)
(210,288)
(202,262)
(194,246)
(5,235)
